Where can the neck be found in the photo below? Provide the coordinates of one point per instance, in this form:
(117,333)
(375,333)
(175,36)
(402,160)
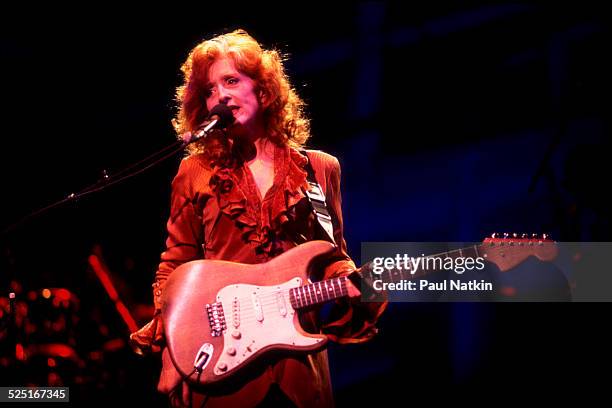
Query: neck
(254,146)
(264,149)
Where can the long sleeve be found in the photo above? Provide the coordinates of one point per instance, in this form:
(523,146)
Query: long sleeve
(183,244)
(341,261)
(184,226)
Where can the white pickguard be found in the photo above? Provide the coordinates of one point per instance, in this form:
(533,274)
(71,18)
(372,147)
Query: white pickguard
(256,317)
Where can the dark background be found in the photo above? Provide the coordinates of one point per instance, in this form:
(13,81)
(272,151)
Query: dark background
(451,121)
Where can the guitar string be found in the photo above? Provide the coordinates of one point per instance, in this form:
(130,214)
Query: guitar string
(270,303)
(271,307)
(311,297)
(392,276)
(271,298)
(308,295)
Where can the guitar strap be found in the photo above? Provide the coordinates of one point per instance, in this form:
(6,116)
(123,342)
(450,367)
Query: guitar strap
(317,200)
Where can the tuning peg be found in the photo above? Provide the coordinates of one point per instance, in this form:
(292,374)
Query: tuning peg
(545,236)
(494,235)
(534,235)
(505,235)
(515,235)
(524,236)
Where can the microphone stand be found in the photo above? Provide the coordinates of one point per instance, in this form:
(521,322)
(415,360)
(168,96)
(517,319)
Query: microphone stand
(109,180)
(220,117)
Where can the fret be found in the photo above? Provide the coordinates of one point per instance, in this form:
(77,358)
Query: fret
(307,299)
(342,283)
(296,298)
(339,289)
(292,298)
(310,299)
(300,295)
(334,287)
(320,293)
(313,294)
(327,290)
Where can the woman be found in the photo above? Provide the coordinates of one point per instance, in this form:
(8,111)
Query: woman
(239,196)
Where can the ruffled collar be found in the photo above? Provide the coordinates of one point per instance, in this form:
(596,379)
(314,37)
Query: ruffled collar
(260,220)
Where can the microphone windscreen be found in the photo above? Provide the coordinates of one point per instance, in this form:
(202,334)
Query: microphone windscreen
(224,113)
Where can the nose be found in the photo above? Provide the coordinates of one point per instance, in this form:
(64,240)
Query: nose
(223,95)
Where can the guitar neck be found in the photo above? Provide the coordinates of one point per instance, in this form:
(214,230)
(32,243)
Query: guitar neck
(330,289)
(506,253)
(318,292)
(410,270)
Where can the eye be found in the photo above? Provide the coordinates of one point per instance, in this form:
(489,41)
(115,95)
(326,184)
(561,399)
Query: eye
(232,81)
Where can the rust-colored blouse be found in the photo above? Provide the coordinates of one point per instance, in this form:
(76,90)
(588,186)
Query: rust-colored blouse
(218,213)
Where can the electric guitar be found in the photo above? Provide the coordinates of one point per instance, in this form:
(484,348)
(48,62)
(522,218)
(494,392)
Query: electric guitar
(220,317)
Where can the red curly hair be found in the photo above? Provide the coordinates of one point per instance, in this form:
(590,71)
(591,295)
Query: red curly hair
(283,113)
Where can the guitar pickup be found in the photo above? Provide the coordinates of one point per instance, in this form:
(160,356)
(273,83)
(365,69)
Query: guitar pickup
(282,306)
(236,312)
(257,307)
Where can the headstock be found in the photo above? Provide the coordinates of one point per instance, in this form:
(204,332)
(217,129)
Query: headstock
(509,250)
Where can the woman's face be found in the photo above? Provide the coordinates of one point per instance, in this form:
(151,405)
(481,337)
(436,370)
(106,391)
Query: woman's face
(228,86)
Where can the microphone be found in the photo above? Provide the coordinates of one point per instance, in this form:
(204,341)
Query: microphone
(220,117)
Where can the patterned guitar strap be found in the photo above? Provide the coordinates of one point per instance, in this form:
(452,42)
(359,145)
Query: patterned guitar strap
(317,201)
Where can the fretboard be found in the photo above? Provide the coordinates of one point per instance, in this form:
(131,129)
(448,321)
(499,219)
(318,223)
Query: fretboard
(318,292)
